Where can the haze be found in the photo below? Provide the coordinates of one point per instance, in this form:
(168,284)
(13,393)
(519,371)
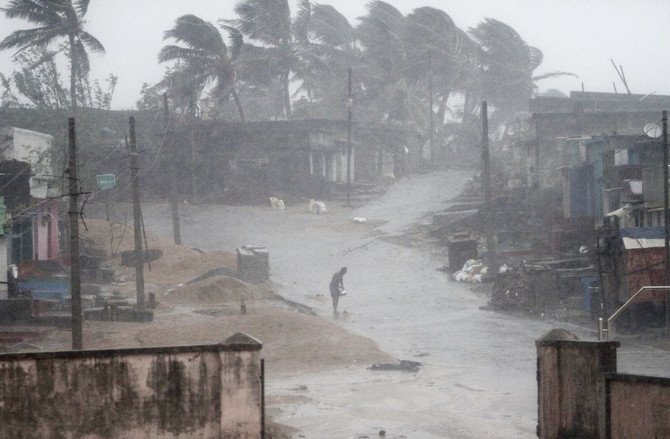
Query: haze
(575,36)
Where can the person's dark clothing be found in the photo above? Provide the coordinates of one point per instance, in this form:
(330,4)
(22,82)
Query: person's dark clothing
(336,287)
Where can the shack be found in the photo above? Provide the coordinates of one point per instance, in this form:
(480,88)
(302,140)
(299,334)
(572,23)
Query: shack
(629,259)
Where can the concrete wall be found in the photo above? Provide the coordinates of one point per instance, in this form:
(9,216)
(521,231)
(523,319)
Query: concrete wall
(209,391)
(638,407)
(580,395)
(571,385)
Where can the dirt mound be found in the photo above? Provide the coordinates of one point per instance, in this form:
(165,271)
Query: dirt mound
(216,289)
(293,342)
(199,303)
(178,264)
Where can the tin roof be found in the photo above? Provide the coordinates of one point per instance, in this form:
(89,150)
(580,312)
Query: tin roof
(643,237)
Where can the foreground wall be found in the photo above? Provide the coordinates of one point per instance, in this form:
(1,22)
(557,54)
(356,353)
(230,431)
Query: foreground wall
(571,385)
(638,407)
(208,391)
(580,395)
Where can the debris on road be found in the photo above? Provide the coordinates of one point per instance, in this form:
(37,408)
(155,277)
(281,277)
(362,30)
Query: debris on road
(402,365)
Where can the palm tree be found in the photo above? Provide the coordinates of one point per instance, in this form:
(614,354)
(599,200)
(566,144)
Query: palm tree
(391,90)
(507,66)
(206,59)
(332,48)
(55,19)
(280,39)
(440,49)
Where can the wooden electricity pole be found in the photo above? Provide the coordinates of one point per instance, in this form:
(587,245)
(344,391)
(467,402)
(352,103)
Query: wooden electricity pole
(73,215)
(430,107)
(350,104)
(172,146)
(137,224)
(486,182)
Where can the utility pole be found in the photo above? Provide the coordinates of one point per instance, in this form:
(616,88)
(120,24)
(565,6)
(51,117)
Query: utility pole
(73,214)
(666,221)
(174,205)
(350,104)
(430,103)
(486,182)
(137,225)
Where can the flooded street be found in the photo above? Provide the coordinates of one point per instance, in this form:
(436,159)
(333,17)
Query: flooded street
(478,373)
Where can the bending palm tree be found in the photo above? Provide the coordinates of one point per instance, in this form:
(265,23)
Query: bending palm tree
(206,57)
(332,50)
(508,63)
(281,39)
(56,19)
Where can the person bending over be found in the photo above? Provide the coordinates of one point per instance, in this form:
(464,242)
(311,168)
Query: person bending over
(337,287)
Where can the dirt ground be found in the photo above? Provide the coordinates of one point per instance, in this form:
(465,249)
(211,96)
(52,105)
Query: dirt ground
(208,311)
(478,373)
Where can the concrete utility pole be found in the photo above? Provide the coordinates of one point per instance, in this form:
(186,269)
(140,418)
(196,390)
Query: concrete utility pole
(137,225)
(486,182)
(174,205)
(73,215)
(350,104)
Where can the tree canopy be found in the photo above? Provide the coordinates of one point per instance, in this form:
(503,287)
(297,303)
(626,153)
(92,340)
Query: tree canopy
(55,20)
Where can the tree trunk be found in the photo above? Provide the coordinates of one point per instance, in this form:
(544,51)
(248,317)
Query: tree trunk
(238,103)
(73,77)
(286,94)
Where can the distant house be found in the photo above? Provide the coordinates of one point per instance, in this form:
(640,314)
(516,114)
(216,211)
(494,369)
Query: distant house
(583,115)
(248,162)
(33,148)
(631,258)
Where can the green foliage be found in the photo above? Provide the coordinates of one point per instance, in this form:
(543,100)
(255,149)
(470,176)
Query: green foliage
(37,84)
(55,20)
(203,59)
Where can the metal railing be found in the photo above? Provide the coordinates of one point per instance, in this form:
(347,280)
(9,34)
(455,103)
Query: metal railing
(606,333)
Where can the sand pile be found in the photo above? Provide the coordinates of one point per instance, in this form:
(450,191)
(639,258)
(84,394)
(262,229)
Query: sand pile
(199,305)
(215,290)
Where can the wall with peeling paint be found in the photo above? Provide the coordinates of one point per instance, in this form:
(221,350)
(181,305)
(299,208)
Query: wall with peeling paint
(638,407)
(208,391)
(580,395)
(571,385)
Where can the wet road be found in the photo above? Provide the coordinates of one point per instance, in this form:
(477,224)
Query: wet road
(478,373)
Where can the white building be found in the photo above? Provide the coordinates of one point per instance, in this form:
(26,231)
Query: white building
(31,147)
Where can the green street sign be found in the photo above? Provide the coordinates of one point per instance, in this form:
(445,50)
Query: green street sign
(106,181)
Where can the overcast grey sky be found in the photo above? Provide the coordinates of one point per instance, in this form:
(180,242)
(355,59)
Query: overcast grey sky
(578,36)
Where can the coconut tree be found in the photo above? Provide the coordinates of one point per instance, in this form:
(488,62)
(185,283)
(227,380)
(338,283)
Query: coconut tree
(390,89)
(507,66)
(204,57)
(55,20)
(332,49)
(276,41)
(440,52)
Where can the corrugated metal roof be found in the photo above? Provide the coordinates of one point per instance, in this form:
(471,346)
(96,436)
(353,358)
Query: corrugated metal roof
(643,232)
(643,237)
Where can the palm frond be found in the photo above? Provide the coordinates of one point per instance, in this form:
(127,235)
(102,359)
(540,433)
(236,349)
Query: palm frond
(33,11)
(553,75)
(91,42)
(38,37)
(235,38)
(331,27)
(196,33)
(81,6)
